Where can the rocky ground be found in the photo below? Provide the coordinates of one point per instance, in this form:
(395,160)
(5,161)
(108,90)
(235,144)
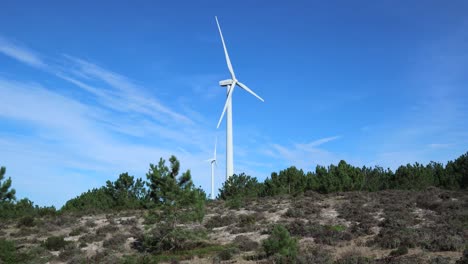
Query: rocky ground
(429,226)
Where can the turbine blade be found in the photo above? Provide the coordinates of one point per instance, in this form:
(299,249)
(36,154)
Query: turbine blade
(228,99)
(228,61)
(250,91)
(216,143)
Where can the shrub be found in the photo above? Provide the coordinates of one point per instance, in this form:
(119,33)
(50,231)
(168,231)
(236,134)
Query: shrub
(227,254)
(245,244)
(129,221)
(102,231)
(78,231)
(90,223)
(219,221)
(168,238)
(401,250)
(115,241)
(246,220)
(10,254)
(328,235)
(70,251)
(315,255)
(89,238)
(294,213)
(235,203)
(280,242)
(55,243)
(27,221)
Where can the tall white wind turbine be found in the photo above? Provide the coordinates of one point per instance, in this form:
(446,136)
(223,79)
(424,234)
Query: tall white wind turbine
(213,163)
(230,85)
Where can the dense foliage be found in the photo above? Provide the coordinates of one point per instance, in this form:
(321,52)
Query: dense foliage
(6,194)
(173,193)
(124,193)
(240,186)
(280,242)
(345,177)
(10,208)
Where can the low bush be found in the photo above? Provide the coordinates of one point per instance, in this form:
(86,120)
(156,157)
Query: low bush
(246,220)
(55,243)
(227,253)
(294,213)
(89,238)
(280,242)
(235,203)
(69,252)
(328,235)
(78,231)
(167,238)
(401,250)
(315,255)
(115,242)
(220,221)
(90,223)
(129,221)
(244,243)
(103,230)
(27,221)
(10,254)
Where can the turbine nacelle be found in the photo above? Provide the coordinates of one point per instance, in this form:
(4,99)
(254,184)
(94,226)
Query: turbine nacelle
(227,82)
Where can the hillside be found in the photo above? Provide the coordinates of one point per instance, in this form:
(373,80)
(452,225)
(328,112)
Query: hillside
(429,226)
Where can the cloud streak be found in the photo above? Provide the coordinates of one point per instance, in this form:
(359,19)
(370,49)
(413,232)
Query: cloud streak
(20,53)
(87,135)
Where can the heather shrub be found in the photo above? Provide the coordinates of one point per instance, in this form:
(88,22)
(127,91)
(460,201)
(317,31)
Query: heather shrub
(55,243)
(219,221)
(27,221)
(244,243)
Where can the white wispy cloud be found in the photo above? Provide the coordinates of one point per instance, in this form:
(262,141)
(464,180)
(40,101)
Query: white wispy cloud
(314,144)
(305,155)
(77,144)
(21,54)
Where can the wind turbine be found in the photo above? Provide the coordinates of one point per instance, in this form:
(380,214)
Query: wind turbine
(213,163)
(230,85)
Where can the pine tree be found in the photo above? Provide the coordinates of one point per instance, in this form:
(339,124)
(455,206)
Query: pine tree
(172,193)
(7,195)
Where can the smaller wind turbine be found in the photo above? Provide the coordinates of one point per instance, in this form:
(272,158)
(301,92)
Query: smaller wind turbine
(213,163)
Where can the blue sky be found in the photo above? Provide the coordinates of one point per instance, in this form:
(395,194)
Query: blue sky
(89,90)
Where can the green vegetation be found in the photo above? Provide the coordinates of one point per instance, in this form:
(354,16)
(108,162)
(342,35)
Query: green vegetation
(281,243)
(175,208)
(55,243)
(345,177)
(7,195)
(10,208)
(9,253)
(124,193)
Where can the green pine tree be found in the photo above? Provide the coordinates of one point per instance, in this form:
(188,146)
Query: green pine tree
(7,195)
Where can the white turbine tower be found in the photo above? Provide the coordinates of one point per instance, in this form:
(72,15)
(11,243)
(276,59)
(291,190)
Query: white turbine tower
(230,84)
(213,163)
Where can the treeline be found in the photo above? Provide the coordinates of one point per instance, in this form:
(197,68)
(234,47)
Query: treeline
(11,208)
(164,186)
(345,177)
